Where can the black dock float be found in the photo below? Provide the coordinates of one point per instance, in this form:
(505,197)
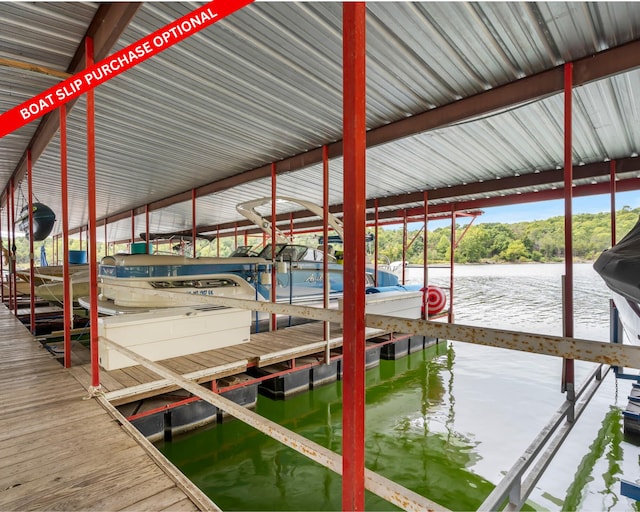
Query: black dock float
(282,386)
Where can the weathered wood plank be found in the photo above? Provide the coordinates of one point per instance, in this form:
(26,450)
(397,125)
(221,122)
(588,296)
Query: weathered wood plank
(127,493)
(18,447)
(60,452)
(160,501)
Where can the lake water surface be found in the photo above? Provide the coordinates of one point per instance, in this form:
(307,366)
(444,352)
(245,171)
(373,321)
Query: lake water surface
(447,422)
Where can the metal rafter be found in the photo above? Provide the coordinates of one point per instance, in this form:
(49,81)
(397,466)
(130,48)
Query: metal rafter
(531,88)
(107,26)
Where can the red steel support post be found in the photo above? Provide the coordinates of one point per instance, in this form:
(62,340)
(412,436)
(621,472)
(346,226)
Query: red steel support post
(326,289)
(452,257)
(376,245)
(291,226)
(235,235)
(10,241)
(425,252)
(354,129)
(193,222)
(133,230)
(274,270)
(91,242)
(568,367)
(146,229)
(32,273)
(12,231)
(404,245)
(66,288)
(612,184)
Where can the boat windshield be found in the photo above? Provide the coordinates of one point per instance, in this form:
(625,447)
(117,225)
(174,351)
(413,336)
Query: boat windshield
(285,252)
(244,250)
(293,253)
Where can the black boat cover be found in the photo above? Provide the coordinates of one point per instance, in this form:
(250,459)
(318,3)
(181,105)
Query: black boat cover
(43,220)
(620,265)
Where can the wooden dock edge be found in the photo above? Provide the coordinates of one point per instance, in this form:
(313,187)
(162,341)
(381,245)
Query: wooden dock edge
(199,498)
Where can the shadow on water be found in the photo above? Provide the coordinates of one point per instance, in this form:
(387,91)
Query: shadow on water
(410,439)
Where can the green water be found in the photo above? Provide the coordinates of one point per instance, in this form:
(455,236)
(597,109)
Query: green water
(242,469)
(447,422)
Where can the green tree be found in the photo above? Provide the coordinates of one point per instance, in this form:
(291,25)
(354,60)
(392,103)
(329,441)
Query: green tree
(474,246)
(443,247)
(515,251)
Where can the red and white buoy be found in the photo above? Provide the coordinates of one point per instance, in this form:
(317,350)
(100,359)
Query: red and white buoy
(434,298)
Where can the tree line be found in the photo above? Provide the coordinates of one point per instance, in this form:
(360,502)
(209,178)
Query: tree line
(538,241)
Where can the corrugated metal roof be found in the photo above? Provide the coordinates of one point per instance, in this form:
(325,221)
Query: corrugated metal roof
(265,84)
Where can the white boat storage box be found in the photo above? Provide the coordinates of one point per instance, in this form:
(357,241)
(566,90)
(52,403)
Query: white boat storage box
(166,333)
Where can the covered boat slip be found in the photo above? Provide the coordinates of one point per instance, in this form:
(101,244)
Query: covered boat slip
(60,451)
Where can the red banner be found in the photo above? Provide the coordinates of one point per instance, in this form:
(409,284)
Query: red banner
(120,61)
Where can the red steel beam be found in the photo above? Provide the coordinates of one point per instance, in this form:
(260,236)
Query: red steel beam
(612,191)
(442,210)
(354,130)
(588,69)
(91,235)
(548,177)
(32,273)
(568,366)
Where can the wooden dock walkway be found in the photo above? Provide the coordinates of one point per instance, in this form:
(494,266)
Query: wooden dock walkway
(60,451)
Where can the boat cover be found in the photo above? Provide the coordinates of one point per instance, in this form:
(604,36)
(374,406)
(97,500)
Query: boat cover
(620,265)
(43,220)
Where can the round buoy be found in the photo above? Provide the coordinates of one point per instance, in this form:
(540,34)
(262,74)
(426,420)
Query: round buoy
(436,299)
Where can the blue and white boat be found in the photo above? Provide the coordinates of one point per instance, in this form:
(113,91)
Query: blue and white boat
(299,276)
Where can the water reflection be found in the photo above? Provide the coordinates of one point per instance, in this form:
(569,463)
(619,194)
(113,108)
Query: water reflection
(410,438)
(609,439)
(447,422)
